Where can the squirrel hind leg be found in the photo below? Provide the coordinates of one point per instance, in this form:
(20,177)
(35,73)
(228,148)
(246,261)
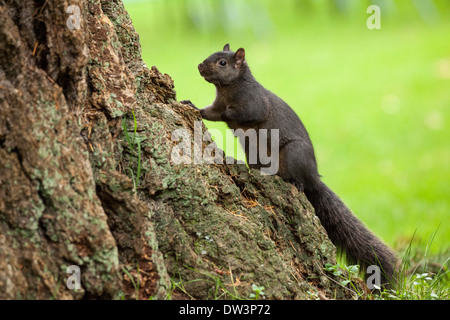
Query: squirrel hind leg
(299,185)
(298,165)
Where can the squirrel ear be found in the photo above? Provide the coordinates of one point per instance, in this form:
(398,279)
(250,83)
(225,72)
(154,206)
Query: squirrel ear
(226,47)
(239,56)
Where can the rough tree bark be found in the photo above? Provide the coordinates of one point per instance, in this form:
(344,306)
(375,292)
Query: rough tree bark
(81,118)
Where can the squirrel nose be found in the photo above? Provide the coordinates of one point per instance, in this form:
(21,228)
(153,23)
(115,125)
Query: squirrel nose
(200,67)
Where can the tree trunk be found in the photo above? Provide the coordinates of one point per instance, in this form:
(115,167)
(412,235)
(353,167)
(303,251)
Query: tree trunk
(87,180)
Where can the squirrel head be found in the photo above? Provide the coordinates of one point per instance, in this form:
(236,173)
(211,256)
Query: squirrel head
(223,67)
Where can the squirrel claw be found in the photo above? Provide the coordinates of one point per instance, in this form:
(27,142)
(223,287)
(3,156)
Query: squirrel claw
(188,103)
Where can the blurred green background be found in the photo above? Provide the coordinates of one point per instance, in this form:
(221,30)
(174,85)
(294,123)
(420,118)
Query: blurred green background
(375,102)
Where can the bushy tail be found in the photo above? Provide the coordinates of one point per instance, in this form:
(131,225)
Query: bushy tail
(350,235)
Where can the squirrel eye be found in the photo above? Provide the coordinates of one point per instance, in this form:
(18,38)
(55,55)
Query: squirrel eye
(223,63)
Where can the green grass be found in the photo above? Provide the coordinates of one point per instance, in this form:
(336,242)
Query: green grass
(375,102)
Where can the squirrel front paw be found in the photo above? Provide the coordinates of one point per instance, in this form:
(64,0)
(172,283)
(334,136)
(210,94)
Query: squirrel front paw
(189,103)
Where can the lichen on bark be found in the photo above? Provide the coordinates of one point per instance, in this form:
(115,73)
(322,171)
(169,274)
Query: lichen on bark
(81,118)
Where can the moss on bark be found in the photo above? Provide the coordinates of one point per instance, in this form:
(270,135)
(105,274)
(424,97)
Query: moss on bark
(81,118)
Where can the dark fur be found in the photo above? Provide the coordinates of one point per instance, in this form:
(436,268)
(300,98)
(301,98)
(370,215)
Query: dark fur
(244,103)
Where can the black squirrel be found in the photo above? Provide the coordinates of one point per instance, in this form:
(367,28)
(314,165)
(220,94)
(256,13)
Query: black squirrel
(243,103)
